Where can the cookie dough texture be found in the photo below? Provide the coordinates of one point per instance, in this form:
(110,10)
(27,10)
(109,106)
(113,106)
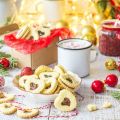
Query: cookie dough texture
(4,97)
(27,113)
(66,101)
(107,105)
(91,107)
(7,108)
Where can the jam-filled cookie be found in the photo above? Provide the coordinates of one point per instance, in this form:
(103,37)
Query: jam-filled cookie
(63,86)
(66,101)
(4,97)
(27,113)
(42,69)
(35,85)
(24,32)
(57,90)
(7,108)
(70,79)
(23,80)
(48,75)
(60,69)
(52,84)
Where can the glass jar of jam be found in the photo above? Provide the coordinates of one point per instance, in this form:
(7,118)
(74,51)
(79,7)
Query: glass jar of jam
(109,38)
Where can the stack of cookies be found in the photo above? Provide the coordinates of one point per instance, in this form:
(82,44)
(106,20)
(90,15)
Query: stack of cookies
(47,81)
(33,32)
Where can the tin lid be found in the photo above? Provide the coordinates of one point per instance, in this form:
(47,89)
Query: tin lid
(113,25)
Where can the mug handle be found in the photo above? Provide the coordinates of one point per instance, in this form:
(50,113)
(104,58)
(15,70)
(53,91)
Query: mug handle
(94,49)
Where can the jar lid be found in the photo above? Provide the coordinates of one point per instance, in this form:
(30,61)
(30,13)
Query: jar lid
(111,25)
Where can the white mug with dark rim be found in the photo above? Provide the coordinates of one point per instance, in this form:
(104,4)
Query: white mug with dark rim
(76,59)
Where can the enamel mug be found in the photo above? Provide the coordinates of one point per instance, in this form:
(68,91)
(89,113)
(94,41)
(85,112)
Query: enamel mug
(74,55)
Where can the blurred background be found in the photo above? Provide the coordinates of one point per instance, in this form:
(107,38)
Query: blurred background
(83,17)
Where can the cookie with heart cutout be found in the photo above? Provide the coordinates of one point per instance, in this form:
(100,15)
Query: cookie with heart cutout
(24,32)
(4,97)
(35,85)
(65,101)
(60,69)
(27,113)
(63,86)
(7,108)
(48,75)
(70,79)
(23,79)
(52,84)
(42,69)
(57,90)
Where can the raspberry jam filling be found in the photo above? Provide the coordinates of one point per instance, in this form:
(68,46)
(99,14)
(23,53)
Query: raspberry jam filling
(47,76)
(109,39)
(66,101)
(33,86)
(69,79)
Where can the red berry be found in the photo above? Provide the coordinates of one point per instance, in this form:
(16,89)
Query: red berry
(26,71)
(111,80)
(2,81)
(97,86)
(5,62)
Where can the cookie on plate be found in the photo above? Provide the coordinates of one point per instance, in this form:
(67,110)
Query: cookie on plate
(65,101)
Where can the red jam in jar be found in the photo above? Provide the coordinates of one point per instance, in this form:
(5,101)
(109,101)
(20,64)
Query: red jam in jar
(109,38)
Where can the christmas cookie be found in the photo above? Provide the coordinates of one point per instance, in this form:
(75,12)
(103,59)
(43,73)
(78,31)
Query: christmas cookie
(35,34)
(51,86)
(42,69)
(44,31)
(24,32)
(4,97)
(107,105)
(63,86)
(70,79)
(35,85)
(60,69)
(23,80)
(7,108)
(91,107)
(27,113)
(57,90)
(65,101)
(40,31)
(47,75)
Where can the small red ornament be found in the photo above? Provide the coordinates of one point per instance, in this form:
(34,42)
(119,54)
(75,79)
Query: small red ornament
(2,81)
(97,86)
(111,80)
(26,71)
(5,62)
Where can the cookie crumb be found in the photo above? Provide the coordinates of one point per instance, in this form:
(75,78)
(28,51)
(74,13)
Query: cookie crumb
(91,107)
(107,105)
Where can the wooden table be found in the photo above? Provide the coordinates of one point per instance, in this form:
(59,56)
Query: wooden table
(98,71)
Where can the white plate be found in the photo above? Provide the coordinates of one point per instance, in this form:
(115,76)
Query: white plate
(36,100)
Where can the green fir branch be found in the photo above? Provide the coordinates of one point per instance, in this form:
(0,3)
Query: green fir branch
(116,95)
(3,72)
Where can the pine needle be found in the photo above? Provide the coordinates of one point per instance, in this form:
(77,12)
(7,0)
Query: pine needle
(116,95)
